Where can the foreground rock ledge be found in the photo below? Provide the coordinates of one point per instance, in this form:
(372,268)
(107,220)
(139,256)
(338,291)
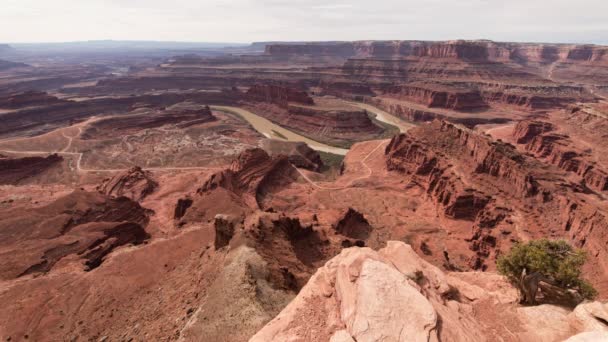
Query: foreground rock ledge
(394,295)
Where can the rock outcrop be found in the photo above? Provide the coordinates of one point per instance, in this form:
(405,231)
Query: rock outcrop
(393,295)
(300,154)
(224,230)
(82,225)
(239,301)
(135,184)
(525,131)
(292,248)
(541,139)
(252,176)
(354,225)
(181,207)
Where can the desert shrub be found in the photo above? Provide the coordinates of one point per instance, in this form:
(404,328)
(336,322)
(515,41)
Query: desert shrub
(555,260)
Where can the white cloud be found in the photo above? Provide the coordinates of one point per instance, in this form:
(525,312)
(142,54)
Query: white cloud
(255,20)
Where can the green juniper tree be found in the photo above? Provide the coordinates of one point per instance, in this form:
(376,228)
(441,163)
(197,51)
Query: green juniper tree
(551,261)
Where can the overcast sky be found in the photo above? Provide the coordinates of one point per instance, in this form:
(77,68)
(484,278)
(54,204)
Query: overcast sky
(262,20)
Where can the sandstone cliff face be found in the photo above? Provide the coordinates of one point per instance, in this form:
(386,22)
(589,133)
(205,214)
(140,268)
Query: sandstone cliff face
(279,95)
(341,121)
(337,49)
(341,88)
(557,149)
(392,294)
(477,96)
(525,131)
(362,67)
(468,50)
(589,119)
(525,100)
(405,112)
(457,49)
(443,98)
(588,228)
(419,156)
(16,170)
(469,177)
(438,179)
(536,95)
(135,184)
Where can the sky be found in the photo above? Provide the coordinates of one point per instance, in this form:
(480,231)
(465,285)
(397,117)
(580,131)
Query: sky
(567,21)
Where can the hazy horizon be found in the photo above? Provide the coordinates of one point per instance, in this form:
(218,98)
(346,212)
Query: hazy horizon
(246,21)
(245,43)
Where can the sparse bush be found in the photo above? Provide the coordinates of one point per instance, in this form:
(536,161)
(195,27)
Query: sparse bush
(551,261)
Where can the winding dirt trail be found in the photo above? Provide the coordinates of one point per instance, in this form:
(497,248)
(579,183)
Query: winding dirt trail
(79,155)
(262,125)
(79,167)
(70,139)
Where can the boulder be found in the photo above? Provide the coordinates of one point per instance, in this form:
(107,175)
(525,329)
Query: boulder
(394,295)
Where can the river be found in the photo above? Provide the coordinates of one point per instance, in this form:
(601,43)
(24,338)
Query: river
(385,117)
(273,131)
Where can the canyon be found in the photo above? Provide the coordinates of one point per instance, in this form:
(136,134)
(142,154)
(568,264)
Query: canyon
(299,191)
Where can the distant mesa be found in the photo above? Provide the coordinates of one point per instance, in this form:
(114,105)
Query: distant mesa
(28,99)
(6,48)
(5,65)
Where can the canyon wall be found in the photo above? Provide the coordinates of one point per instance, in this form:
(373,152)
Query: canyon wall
(470,177)
(539,138)
(479,50)
(279,95)
(434,96)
